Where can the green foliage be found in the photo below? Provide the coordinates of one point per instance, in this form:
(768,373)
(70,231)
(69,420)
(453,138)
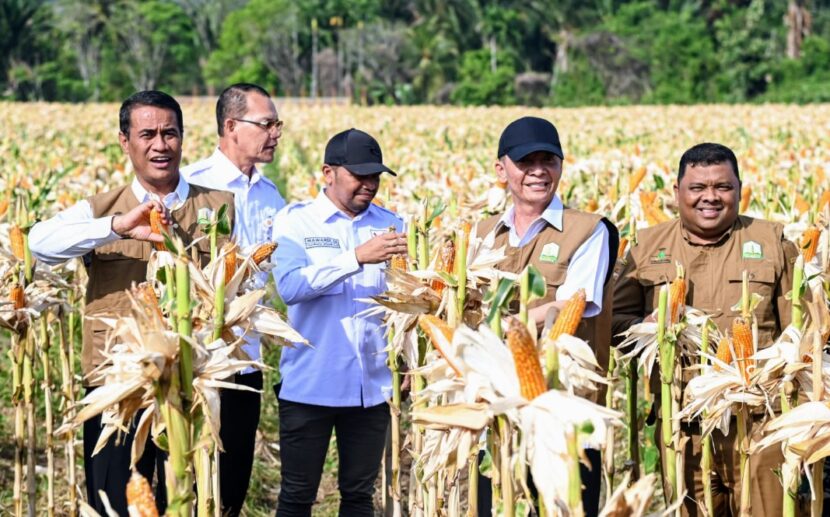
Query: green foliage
(580,86)
(480,84)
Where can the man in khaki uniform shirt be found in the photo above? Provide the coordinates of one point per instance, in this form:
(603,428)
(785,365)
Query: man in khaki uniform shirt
(715,245)
(570,248)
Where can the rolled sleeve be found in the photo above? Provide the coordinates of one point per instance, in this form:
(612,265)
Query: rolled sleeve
(69,234)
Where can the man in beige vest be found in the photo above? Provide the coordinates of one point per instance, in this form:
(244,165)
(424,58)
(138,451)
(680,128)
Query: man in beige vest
(714,245)
(112,232)
(570,248)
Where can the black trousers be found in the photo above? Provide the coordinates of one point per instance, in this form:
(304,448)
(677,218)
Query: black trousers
(305,431)
(591,480)
(240,418)
(109,470)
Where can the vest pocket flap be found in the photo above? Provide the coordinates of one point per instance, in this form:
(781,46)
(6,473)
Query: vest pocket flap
(759,273)
(123,249)
(657,274)
(554,273)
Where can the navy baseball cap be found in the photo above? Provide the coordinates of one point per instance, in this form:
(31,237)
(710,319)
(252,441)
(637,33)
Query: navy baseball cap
(357,151)
(528,135)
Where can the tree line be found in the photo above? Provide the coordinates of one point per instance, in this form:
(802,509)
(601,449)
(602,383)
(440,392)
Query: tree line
(468,52)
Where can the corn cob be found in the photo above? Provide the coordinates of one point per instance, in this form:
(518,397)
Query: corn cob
(4,206)
(263,252)
(824,199)
(801,204)
(742,339)
(157,227)
(312,187)
(147,294)
(809,242)
(398,262)
(621,249)
(431,325)
(569,317)
(677,295)
(16,238)
(140,497)
(636,178)
(592,205)
(724,353)
(526,357)
(444,263)
(746,197)
(16,296)
(647,198)
(230,261)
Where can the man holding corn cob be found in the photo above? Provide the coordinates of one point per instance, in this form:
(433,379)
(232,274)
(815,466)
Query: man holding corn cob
(571,248)
(714,245)
(113,231)
(249,130)
(331,255)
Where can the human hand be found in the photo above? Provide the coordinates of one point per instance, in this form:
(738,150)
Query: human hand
(381,248)
(135,224)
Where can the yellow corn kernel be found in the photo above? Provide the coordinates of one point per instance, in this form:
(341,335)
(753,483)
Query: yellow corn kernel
(432,325)
(809,242)
(801,204)
(824,199)
(147,295)
(230,261)
(636,178)
(157,227)
(17,242)
(263,252)
(742,340)
(17,296)
(526,358)
(140,497)
(746,197)
(621,249)
(677,295)
(724,353)
(591,205)
(444,263)
(398,263)
(647,198)
(569,317)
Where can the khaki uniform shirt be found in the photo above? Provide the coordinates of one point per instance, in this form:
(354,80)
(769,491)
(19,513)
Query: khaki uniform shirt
(714,274)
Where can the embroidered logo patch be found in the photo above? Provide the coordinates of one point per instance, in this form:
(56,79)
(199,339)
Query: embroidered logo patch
(550,253)
(204,215)
(752,250)
(661,257)
(321,242)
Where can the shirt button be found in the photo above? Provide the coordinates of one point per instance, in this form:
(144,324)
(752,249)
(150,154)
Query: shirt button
(175,225)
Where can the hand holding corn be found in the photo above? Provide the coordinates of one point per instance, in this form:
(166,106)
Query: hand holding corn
(137,223)
(381,248)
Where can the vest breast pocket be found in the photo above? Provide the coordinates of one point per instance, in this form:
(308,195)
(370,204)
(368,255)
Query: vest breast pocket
(761,279)
(126,249)
(554,274)
(651,277)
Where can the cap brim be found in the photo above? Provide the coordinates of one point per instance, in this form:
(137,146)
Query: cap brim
(520,151)
(366,169)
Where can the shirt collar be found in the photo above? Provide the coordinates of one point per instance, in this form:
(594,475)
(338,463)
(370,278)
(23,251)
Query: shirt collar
(552,214)
(172,200)
(225,170)
(725,237)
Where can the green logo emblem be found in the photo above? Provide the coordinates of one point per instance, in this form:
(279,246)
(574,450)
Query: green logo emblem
(752,250)
(204,215)
(661,257)
(550,253)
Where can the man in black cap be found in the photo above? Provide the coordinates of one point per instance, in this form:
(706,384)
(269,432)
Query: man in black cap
(332,253)
(572,249)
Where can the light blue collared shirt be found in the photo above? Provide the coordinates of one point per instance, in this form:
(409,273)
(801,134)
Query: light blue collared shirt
(256,202)
(74,232)
(589,264)
(319,278)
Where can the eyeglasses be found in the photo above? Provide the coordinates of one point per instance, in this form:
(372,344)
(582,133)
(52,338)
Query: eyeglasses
(267,125)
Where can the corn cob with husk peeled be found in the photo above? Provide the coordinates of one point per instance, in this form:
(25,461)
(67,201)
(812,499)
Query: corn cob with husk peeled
(444,263)
(809,242)
(526,358)
(17,296)
(263,252)
(636,178)
(229,249)
(724,353)
(677,295)
(157,227)
(742,341)
(16,240)
(746,197)
(566,323)
(140,500)
(432,326)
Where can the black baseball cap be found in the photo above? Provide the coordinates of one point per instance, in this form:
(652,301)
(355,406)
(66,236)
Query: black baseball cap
(357,151)
(528,135)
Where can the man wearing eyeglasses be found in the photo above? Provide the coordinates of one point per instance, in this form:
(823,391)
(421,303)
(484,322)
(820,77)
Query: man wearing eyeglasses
(249,130)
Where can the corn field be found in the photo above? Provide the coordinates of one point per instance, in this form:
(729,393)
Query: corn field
(480,379)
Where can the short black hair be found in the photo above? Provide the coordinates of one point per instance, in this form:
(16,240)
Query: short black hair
(707,154)
(153,98)
(233,103)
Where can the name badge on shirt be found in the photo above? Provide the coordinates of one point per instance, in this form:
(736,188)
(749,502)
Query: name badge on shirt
(550,253)
(204,215)
(752,250)
(321,242)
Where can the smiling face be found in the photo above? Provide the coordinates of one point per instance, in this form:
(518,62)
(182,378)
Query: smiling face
(349,192)
(154,145)
(708,197)
(533,180)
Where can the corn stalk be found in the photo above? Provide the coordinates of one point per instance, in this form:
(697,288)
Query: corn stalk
(47,401)
(667,361)
(706,454)
(789,393)
(574,478)
(66,353)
